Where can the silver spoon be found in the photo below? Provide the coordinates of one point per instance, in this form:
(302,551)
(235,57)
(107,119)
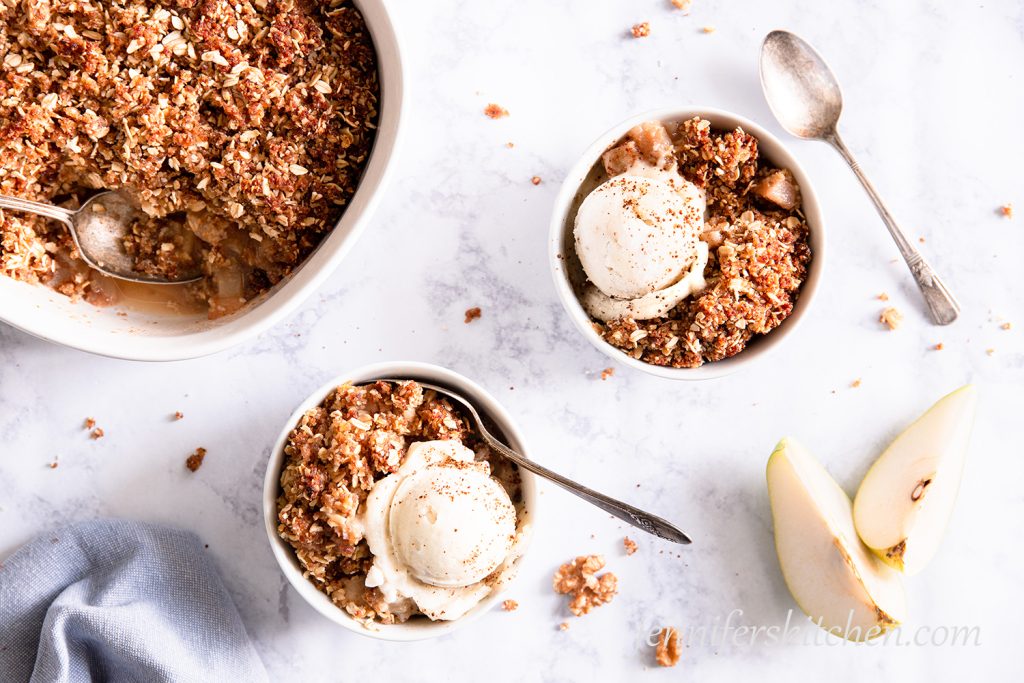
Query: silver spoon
(652,524)
(99,229)
(804,95)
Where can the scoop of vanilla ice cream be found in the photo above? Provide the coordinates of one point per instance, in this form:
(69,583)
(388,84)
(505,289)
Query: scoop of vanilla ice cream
(636,234)
(437,528)
(451,525)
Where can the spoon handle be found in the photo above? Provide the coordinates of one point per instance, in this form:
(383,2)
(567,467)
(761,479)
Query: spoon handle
(38,208)
(942,306)
(652,524)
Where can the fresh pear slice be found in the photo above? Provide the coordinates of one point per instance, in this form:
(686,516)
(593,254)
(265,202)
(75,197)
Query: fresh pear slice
(832,575)
(905,501)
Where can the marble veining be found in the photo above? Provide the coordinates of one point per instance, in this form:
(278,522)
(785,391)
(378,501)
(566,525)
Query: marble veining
(933,103)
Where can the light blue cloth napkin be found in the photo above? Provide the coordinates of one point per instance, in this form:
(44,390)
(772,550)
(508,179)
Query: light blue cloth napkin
(115,600)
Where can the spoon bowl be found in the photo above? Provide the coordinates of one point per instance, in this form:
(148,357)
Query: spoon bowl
(801,89)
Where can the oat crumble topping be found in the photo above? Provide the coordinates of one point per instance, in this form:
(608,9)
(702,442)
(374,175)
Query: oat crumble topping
(472,314)
(891,318)
(856,383)
(630,545)
(757,236)
(669,649)
(334,456)
(240,126)
(195,461)
(586,589)
(495,111)
(641,30)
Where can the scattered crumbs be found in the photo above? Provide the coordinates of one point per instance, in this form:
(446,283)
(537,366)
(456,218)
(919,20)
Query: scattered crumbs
(891,318)
(586,590)
(510,605)
(641,30)
(938,347)
(669,649)
(708,29)
(178,414)
(990,352)
(629,544)
(195,461)
(683,5)
(510,145)
(535,180)
(855,383)
(921,240)
(606,373)
(1006,326)
(883,297)
(472,314)
(1007,210)
(96,433)
(53,465)
(89,423)
(495,111)
(564,626)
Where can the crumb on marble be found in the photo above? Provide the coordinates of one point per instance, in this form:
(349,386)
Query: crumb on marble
(578,579)
(855,383)
(1006,210)
(669,649)
(883,297)
(990,352)
(535,180)
(510,605)
(96,433)
(564,626)
(178,415)
(510,145)
(938,347)
(708,29)
(683,5)
(495,111)
(195,461)
(921,240)
(641,30)
(89,423)
(472,314)
(607,373)
(629,544)
(1006,326)
(891,318)
(53,465)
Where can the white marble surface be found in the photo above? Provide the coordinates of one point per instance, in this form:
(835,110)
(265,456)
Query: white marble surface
(934,104)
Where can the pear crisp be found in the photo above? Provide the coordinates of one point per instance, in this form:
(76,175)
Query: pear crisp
(335,456)
(578,579)
(755,234)
(240,127)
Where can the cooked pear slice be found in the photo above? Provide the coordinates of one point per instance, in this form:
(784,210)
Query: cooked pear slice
(904,503)
(832,575)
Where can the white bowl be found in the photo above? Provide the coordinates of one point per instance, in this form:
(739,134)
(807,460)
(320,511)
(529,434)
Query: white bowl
(573,191)
(155,336)
(488,407)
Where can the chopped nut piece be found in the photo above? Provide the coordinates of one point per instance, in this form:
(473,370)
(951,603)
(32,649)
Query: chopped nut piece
(96,433)
(683,5)
(579,579)
(564,626)
(641,30)
(195,461)
(938,347)
(855,383)
(89,423)
(510,605)
(495,111)
(708,29)
(535,180)
(472,314)
(883,297)
(669,649)
(891,318)
(178,414)
(630,545)
(1007,210)
(607,372)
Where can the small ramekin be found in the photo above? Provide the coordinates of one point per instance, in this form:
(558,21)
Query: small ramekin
(415,629)
(561,241)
